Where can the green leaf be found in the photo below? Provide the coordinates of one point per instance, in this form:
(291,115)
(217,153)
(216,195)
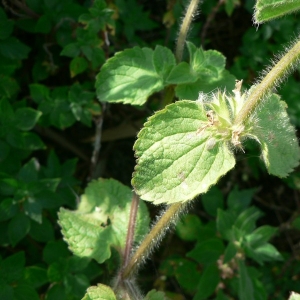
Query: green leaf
(239,200)
(155,295)
(25,140)
(101,221)
(18,227)
(207,69)
(188,227)
(26,118)
(266,10)
(207,252)
(212,201)
(8,86)
(42,232)
(277,138)
(12,268)
(71,50)
(261,235)
(245,222)
(129,77)
(25,292)
(78,65)
(99,292)
(176,161)
(8,209)
(35,276)
(230,252)
(43,25)
(56,292)
(225,221)
(39,92)
(182,73)
(6,291)
(14,49)
(163,61)
(208,282)
(245,284)
(54,250)
(263,253)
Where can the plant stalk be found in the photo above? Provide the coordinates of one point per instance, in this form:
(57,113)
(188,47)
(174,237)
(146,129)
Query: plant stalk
(185,28)
(274,76)
(152,238)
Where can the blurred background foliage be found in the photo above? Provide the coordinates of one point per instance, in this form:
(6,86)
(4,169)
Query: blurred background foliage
(55,137)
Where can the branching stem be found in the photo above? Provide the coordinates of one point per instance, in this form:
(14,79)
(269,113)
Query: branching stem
(152,238)
(185,28)
(274,76)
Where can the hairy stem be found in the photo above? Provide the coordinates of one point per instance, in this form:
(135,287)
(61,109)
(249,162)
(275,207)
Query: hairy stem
(131,228)
(153,237)
(185,28)
(274,76)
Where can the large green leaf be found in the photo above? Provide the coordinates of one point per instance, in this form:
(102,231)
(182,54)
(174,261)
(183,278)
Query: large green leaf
(101,220)
(134,74)
(266,10)
(277,137)
(178,158)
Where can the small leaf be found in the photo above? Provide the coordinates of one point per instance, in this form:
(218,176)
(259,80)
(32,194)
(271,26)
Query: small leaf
(163,61)
(26,118)
(25,292)
(174,163)
(129,77)
(182,73)
(12,268)
(208,282)
(42,232)
(155,295)
(212,201)
(99,292)
(277,137)
(246,291)
(101,222)
(78,65)
(266,10)
(8,208)
(18,227)
(188,227)
(207,252)
(6,291)
(12,48)
(35,276)
(261,235)
(229,253)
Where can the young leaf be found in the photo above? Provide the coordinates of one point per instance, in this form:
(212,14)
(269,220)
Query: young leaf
(208,282)
(12,268)
(131,76)
(207,252)
(99,292)
(279,144)
(78,65)
(101,220)
(246,290)
(18,227)
(155,295)
(176,161)
(266,10)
